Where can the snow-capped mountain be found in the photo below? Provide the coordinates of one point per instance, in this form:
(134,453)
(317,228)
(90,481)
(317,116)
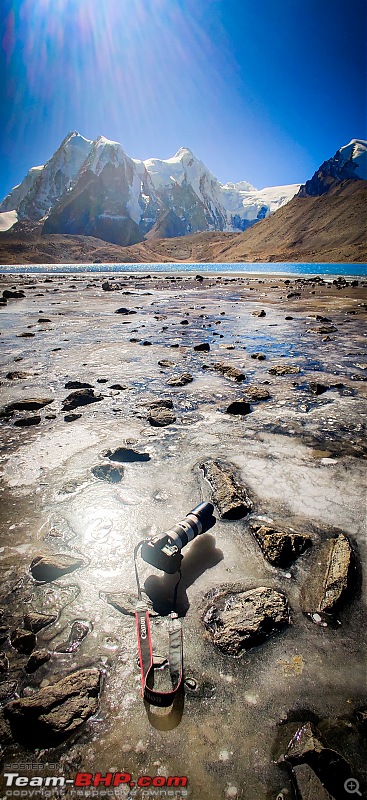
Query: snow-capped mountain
(44,186)
(13,200)
(95,188)
(349,163)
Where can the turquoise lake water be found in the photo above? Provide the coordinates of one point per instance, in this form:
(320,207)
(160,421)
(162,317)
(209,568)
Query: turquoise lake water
(263,268)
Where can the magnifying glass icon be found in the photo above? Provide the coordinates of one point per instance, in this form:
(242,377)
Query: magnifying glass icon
(351,786)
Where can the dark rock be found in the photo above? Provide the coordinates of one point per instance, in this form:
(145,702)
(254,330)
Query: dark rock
(318,388)
(259,356)
(25,422)
(118,387)
(146,343)
(25,335)
(7,690)
(324,329)
(204,347)
(160,413)
(293,294)
(230,372)
(166,363)
(77,385)
(126,455)
(107,286)
(229,495)
(284,369)
(102,380)
(4,663)
(79,630)
(34,621)
(238,619)
(257,393)
(23,641)
(239,407)
(288,317)
(109,473)
(125,311)
(160,417)
(327,579)
(16,375)
(180,380)
(330,767)
(30,404)
(307,785)
(280,547)
(47,717)
(199,278)
(44,319)
(36,660)
(164,403)
(82,397)
(10,294)
(50,567)
(71,417)
(261,313)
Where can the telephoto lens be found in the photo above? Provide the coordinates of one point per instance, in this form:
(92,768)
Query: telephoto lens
(164,550)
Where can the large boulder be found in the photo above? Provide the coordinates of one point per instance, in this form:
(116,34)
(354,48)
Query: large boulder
(229,495)
(306,747)
(34,620)
(160,413)
(180,380)
(307,784)
(23,641)
(26,404)
(81,397)
(50,567)
(238,619)
(284,369)
(280,547)
(47,717)
(228,371)
(328,577)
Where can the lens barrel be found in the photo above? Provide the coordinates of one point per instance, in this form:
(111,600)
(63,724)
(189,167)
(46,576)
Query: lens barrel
(164,551)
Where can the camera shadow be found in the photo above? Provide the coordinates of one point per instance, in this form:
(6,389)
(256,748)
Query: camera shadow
(168,592)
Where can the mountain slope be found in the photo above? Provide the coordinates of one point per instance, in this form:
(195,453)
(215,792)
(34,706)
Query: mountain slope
(330,227)
(95,188)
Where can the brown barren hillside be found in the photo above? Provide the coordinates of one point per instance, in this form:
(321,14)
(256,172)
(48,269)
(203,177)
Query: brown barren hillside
(330,228)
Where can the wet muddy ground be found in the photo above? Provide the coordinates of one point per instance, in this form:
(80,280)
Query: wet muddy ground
(300,454)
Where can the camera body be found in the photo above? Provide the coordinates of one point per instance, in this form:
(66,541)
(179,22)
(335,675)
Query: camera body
(164,550)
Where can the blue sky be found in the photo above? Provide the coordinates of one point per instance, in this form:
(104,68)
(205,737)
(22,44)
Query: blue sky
(260,92)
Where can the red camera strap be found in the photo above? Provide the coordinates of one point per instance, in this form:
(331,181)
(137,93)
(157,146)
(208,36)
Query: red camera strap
(146,658)
(145,649)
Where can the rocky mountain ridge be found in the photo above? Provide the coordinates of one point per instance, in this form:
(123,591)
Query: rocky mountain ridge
(95,188)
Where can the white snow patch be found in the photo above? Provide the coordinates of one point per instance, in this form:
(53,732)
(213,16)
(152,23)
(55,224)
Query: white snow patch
(7,220)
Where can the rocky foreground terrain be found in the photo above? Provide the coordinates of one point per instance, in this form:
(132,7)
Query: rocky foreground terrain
(125,402)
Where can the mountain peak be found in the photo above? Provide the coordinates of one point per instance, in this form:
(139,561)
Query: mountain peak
(185,151)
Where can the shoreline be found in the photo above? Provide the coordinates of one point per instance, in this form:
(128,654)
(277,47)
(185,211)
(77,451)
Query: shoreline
(185,268)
